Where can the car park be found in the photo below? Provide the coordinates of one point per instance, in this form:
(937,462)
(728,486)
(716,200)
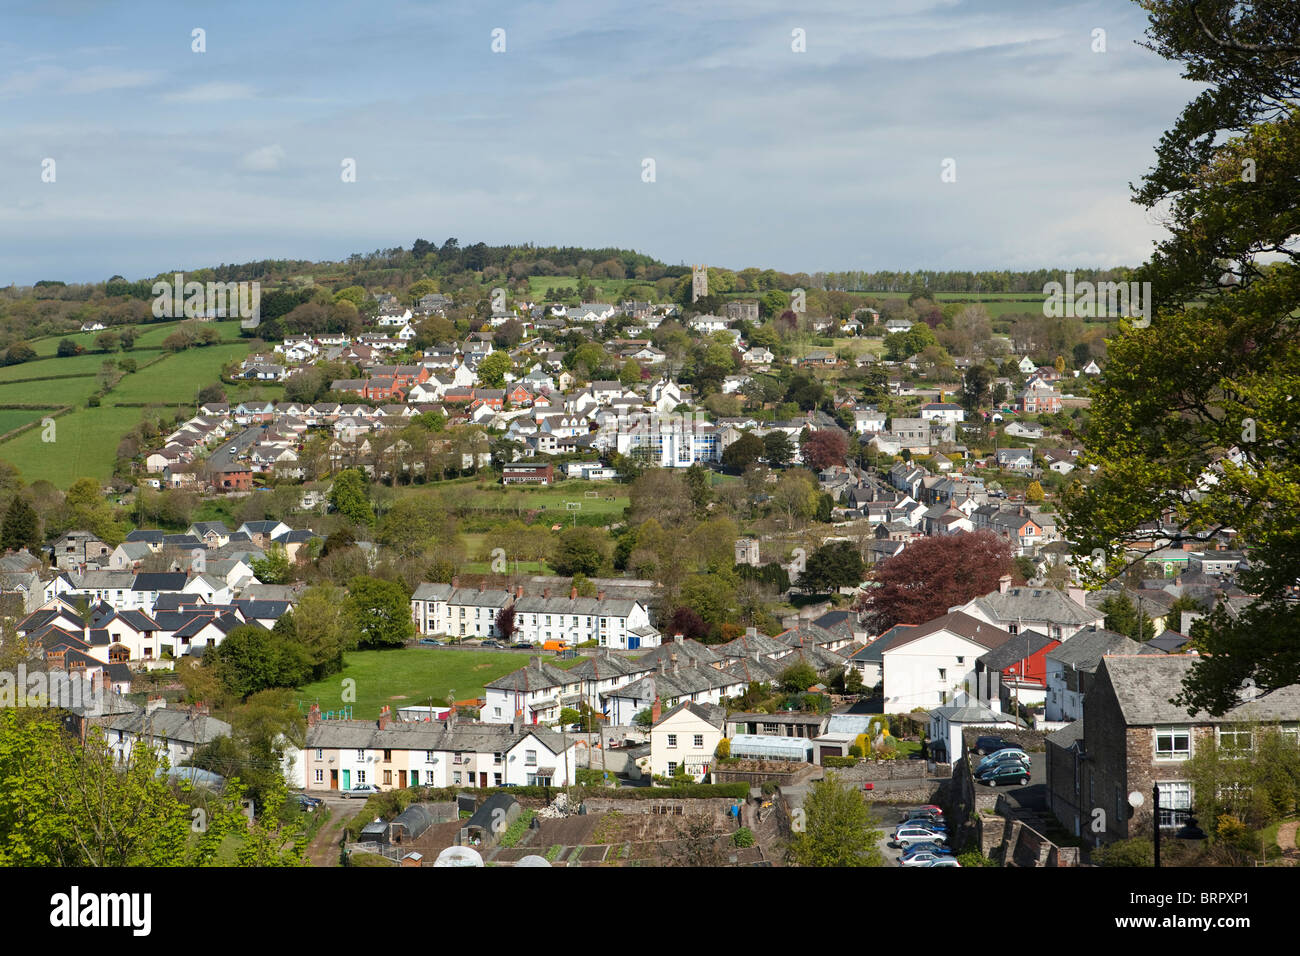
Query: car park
(362,790)
(1005,773)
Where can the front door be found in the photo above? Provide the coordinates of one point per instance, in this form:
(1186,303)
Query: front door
(401,779)
(334,779)
(347,779)
(482,779)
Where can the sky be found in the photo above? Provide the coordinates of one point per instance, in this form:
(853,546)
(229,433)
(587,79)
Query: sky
(827,158)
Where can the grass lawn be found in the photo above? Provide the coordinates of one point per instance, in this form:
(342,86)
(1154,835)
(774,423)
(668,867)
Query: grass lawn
(608,290)
(592,495)
(409,676)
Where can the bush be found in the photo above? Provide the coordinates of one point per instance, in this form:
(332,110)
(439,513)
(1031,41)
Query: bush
(974,858)
(743,837)
(1136,852)
(839,761)
(724,749)
(855,751)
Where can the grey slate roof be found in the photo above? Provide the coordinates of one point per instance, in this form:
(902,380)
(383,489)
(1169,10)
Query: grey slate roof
(1085,650)
(1037,604)
(1144,684)
(173,725)
(1067,735)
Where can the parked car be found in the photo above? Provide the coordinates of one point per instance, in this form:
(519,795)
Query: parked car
(936,847)
(987,745)
(521,646)
(943,861)
(935,816)
(905,836)
(925,822)
(920,858)
(430,642)
(361,790)
(491,642)
(1005,773)
(1004,756)
(307,803)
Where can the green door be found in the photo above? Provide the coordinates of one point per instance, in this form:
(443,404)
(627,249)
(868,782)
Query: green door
(347,779)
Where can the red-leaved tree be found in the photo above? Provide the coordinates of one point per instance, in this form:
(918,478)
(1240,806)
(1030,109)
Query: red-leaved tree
(686,622)
(824,448)
(925,579)
(506,622)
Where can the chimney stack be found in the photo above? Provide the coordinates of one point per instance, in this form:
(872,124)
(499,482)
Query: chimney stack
(155,703)
(600,595)
(656,710)
(573,594)
(546,593)
(385,714)
(313,715)
(519,592)
(482,586)
(1004,584)
(455,581)
(677,638)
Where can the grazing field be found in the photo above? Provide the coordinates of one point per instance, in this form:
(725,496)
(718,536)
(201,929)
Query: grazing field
(11,418)
(177,378)
(85,445)
(69,365)
(410,676)
(596,497)
(148,335)
(608,290)
(52,392)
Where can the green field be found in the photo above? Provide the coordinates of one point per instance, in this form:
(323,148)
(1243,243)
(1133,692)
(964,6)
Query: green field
(177,378)
(11,418)
(608,290)
(52,392)
(149,335)
(85,445)
(555,497)
(410,676)
(70,365)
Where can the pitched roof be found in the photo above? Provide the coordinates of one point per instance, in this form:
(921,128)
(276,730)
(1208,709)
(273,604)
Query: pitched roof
(1085,649)
(1022,645)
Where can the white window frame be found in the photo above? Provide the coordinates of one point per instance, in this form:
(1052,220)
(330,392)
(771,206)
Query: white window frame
(1175,802)
(1172,732)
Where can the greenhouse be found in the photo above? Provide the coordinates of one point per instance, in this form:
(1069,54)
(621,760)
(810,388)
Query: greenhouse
(764,747)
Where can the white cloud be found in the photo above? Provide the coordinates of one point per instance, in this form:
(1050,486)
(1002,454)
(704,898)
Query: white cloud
(266,159)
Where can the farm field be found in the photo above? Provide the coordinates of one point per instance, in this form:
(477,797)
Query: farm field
(148,335)
(51,392)
(69,365)
(85,445)
(409,676)
(11,418)
(177,378)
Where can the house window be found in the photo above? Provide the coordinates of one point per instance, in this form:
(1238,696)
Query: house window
(455,777)
(1234,739)
(361,776)
(320,776)
(361,755)
(428,777)
(672,740)
(1173,743)
(428,756)
(672,767)
(320,754)
(771,728)
(388,778)
(943,673)
(699,741)
(388,756)
(530,758)
(496,780)
(1175,802)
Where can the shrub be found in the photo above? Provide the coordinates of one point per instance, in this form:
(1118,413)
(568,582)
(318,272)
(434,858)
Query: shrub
(724,748)
(855,751)
(839,761)
(743,837)
(1136,852)
(974,858)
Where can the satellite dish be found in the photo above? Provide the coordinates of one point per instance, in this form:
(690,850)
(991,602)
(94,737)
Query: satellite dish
(459,856)
(1135,799)
(533,859)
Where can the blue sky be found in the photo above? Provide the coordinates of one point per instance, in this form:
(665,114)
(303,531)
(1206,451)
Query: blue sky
(826,159)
